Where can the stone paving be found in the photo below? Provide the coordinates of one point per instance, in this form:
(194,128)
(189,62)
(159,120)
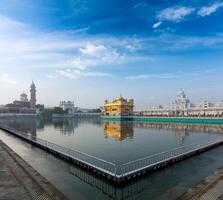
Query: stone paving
(19,181)
(209,189)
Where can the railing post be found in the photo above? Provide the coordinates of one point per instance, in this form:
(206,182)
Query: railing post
(121,170)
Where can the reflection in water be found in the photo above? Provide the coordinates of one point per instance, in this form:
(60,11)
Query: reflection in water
(118,130)
(104,186)
(68,126)
(117,142)
(164,184)
(108,189)
(26,124)
(181,131)
(181,127)
(159,185)
(123,130)
(32,124)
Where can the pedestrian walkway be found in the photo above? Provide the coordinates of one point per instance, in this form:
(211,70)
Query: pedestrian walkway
(19,181)
(209,189)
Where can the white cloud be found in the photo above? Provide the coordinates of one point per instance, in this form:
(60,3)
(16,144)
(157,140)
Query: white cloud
(74,74)
(96,55)
(93,50)
(5,79)
(131,47)
(208,10)
(156,25)
(177,43)
(147,76)
(175,14)
(8,24)
(23,47)
(141,4)
(171,75)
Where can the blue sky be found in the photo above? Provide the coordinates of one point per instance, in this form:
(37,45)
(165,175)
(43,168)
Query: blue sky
(90,50)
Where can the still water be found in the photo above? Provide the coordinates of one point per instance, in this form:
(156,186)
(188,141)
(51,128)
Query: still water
(118,142)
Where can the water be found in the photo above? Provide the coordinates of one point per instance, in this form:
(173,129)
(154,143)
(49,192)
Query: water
(117,142)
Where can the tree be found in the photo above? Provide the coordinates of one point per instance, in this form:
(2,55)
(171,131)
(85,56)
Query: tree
(59,110)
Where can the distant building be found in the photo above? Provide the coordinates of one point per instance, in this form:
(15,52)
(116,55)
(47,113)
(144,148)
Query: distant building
(119,107)
(68,106)
(182,106)
(181,103)
(22,106)
(40,109)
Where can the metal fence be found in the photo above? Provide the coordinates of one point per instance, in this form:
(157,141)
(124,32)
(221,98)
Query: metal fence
(123,169)
(153,160)
(100,164)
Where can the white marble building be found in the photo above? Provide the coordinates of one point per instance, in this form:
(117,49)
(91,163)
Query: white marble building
(68,105)
(182,106)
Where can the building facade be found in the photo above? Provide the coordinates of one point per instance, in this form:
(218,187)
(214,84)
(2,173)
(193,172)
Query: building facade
(23,105)
(182,106)
(119,107)
(68,106)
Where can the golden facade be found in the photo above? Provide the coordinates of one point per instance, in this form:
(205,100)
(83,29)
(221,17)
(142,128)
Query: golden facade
(118,130)
(119,107)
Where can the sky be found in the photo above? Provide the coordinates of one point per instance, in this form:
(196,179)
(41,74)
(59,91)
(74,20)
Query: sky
(91,50)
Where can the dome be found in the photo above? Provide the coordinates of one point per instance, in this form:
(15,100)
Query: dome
(23,97)
(181,93)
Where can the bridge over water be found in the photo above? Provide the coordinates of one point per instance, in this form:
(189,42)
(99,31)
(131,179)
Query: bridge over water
(121,173)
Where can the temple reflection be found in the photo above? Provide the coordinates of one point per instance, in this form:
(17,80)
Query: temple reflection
(66,126)
(180,131)
(25,124)
(125,130)
(118,130)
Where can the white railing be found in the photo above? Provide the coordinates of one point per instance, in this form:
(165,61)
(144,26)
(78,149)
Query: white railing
(112,169)
(153,160)
(100,164)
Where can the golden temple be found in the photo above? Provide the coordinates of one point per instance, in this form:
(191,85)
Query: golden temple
(119,107)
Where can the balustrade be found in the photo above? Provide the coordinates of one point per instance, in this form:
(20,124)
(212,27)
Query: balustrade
(111,168)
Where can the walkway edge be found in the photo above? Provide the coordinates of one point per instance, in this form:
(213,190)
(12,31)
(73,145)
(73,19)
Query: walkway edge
(49,191)
(120,174)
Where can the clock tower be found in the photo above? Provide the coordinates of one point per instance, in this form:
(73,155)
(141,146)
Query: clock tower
(33,95)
